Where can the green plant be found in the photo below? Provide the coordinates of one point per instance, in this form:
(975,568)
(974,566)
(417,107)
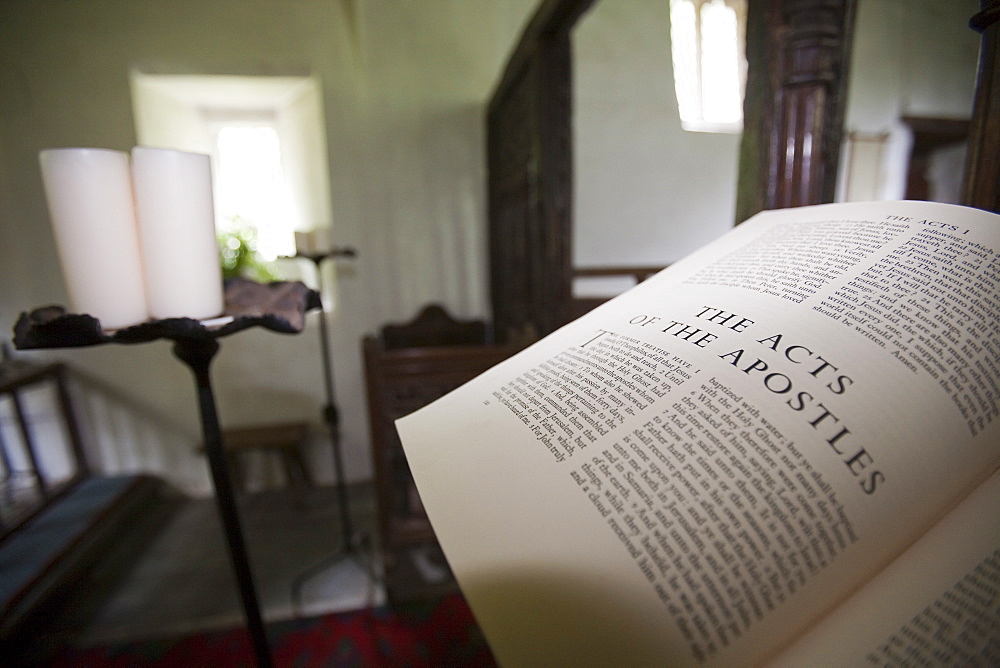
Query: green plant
(238,255)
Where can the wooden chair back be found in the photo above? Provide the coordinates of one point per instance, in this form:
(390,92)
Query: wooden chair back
(407,367)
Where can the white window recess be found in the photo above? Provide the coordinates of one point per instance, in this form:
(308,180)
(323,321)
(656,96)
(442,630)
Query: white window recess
(266,137)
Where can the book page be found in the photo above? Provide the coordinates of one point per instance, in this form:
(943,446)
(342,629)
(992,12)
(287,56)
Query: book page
(938,604)
(699,469)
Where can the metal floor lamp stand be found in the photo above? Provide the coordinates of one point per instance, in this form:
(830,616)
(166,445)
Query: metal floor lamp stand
(353,545)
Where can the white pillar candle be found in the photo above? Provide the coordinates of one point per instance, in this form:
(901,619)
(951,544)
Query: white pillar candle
(314,242)
(303,243)
(323,240)
(89,195)
(173,192)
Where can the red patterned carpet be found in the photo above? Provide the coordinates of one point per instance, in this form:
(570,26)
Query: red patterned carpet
(434,633)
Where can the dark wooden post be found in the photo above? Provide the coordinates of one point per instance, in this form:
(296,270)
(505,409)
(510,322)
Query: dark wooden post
(982,171)
(798,56)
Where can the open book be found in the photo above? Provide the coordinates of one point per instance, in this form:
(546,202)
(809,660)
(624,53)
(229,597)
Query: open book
(782,449)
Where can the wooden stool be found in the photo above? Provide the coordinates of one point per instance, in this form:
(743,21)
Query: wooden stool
(285,439)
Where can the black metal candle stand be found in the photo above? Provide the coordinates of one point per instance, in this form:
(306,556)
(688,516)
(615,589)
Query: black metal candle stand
(353,546)
(280,307)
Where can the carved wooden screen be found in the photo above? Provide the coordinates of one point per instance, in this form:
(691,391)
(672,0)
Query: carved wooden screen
(529,144)
(794,124)
(798,53)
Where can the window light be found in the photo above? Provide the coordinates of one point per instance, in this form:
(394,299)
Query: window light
(250,186)
(708,45)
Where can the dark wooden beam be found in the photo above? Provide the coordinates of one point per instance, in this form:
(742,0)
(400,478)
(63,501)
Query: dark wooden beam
(551,17)
(982,172)
(529,164)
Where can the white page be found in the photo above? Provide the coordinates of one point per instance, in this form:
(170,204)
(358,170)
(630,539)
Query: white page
(938,604)
(557,571)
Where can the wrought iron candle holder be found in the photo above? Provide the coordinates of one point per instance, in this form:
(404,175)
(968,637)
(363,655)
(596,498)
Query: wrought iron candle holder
(280,307)
(352,544)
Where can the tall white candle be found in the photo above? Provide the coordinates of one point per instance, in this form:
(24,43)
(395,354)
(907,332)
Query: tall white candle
(173,191)
(314,242)
(304,243)
(89,195)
